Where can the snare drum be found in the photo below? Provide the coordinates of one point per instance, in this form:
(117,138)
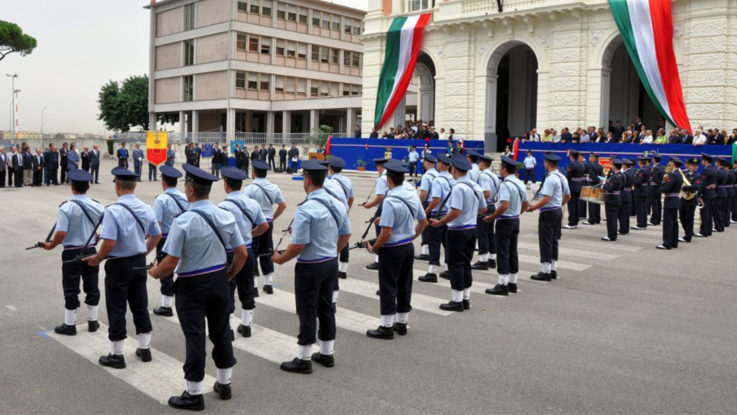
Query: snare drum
(599,196)
(586,192)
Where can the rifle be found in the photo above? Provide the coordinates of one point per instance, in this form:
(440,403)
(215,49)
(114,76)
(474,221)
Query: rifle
(86,244)
(158,259)
(48,239)
(368,197)
(278,244)
(363,243)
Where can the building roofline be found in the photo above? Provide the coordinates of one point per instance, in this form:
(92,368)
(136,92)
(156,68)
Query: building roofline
(317,3)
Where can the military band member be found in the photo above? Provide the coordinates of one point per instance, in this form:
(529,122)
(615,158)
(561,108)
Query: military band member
(394,245)
(267,195)
(555,193)
(342,186)
(251,223)
(708,195)
(687,210)
(613,203)
(575,176)
(489,182)
(656,180)
(582,204)
(596,170)
(466,202)
(721,218)
(428,175)
(628,180)
(320,230)
(511,203)
(381,189)
(671,188)
(437,208)
(733,193)
(166,207)
(75,223)
(642,192)
(195,250)
(129,232)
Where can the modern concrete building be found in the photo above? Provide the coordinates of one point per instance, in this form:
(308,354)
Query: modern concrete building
(549,63)
(255,68)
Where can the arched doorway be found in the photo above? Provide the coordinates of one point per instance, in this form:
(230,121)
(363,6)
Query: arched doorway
(623,97)
(511,98)
(425,71)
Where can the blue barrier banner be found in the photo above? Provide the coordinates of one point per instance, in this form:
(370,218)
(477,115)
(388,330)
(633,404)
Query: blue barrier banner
(362,151)
(620,150)
(207,150)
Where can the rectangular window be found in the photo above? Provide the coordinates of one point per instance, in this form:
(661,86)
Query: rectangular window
(302,51)
(336,23)
(315,53)
(356,60)
(279,85)
(336,56)
(303,15)
(255,6)
(301,86)
(189,52)
(279,47)
(265,82)
(243,6)
(346,90)
(292,14)
(240,79)
(325,21)
(290,85)
(291,50)
(241,40)
(334,89)
(357,29)
(189,16)
(356,90)
(324,54)
(324,88)
(281,11)
(252,80)
(346,58)
(266,8)
(315,18)
(266,46)
(315,88)
(253,43)
(188,88)
(347,26)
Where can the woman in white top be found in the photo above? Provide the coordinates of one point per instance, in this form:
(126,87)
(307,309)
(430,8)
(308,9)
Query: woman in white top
(648,139)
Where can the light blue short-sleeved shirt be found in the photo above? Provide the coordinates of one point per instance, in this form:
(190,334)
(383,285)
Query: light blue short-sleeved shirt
(381,186)
(346,184)
(467,197)
(339,187)
(512,190)
(396,214)
(474,173)
(192,240)
(72,220)
(413,156)
(315,226)
(119,225)
(168,205)
(489,181)
(555,186)
(440,189)
(267,197)
(247,213)
(427,178)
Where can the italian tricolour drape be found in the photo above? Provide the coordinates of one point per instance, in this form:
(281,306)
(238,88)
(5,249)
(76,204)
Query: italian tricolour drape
(402,46)
(646,27)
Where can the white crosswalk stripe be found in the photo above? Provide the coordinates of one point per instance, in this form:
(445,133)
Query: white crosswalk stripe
(562,251)
(265,343)
(569,238)
(367,289)
(160,378)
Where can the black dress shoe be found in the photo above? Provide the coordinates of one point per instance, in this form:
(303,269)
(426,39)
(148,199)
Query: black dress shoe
(466,304)
(297,366)
(400,328)
(428,278)
(512,288)
(144,354)
(268,289)
(661,246)
(422,257)
(342,275)
(223,391)
(187,401)
(498,289)
(445,275)
(326,360)
(373,266)
(452,306)
(492,263)
(386,333)
(245,331)
(378,292)
(116,361)
(164,311)
(553,275)
(482,266)
(65,330)
(92,326)
(540,276)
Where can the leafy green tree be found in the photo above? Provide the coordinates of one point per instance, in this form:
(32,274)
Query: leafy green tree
(125,105)
(12,39)
(319,136)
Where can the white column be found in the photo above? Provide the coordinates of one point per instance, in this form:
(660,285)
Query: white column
(606,74)
(350,114)
(182,124)
(490,133)
(286,122)
(229,124)
(270,123)
(195,124)
(314,119)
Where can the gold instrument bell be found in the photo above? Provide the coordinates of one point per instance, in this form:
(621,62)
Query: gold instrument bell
(684,194)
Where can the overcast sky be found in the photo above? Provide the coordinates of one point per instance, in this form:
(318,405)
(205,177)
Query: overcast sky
(81,45)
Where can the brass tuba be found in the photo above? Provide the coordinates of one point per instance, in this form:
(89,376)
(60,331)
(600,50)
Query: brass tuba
(686,195)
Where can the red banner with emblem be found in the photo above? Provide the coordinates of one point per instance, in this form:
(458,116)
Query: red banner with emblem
(156,147)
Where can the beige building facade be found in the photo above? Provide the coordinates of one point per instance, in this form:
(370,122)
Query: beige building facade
(256,68)
(549,64)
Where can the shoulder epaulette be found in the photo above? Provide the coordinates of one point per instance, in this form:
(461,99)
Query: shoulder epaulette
(62,203)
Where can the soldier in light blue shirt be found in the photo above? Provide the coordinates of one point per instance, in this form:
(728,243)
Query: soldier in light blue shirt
(428,167)
(475,172)
(267,195)
(196,251)
(466,202)
(555,193)
(489,182)
(129,232)
(437,207)
(341,186)
(320,230)
(396,252)
(381,188)
(511,203)
(251,223)
(166,207)
(76,225)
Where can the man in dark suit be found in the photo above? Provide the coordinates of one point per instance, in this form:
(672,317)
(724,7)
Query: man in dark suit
(255,154)
(190,154)
(38,167)
(198,154)
(618,130)
(271,152)
(85,156)
(63,161)
(262,153)
(18,166)
(3,165)
(216,162)
(95,163)
(122,157)
(283,158)
(27,166)
(51,158)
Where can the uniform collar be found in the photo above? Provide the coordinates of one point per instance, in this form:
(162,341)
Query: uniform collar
(127,197)
(171,190)
(200,203)
(316,193)
(260,180)
(80,197)
(234,194)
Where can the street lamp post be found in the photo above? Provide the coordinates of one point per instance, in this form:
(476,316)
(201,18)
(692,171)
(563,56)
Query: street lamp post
(12,80)
(42,122)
